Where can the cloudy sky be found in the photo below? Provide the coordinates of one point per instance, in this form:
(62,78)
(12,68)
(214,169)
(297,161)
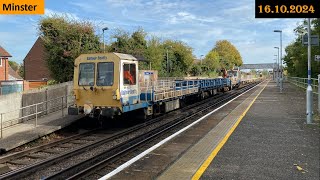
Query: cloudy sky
(199,23)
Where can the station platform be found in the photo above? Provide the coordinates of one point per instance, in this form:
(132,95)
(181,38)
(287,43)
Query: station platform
(22,133)
(260,135)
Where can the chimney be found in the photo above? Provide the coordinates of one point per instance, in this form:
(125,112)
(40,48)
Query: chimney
(6,69)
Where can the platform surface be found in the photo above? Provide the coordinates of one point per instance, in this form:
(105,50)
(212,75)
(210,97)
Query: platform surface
(19,134)
(270,141)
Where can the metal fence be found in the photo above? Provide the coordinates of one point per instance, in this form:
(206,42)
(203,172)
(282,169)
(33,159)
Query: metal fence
(35,111)
(303,83)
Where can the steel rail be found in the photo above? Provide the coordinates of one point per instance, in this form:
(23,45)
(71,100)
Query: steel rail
(49,161)
(83,168)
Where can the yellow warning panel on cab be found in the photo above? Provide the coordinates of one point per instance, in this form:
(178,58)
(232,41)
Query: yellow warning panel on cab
(22,6)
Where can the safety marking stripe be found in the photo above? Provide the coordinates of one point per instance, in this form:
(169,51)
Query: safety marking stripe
(138,157)
(206,164)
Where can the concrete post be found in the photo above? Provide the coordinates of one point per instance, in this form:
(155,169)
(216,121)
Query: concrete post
(309,88)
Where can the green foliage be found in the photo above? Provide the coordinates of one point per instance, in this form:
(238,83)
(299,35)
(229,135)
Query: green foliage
(265,72)
(14,65)
(253,72)
(296,57)
(195,70)
(52,82)
(127,43)
(21,70)
(212,61)
(228,54)
(180,57)
(213,74)
(65,39)
(154,53)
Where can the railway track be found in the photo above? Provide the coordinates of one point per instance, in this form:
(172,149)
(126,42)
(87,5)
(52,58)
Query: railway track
(82,155)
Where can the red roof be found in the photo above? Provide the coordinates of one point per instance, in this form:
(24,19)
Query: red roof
(4,53)
(14,74)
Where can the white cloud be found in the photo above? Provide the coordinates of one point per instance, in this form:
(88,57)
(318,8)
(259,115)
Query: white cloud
(186,17)
(50,12)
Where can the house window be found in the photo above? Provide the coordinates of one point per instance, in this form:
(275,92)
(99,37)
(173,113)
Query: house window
(0,62)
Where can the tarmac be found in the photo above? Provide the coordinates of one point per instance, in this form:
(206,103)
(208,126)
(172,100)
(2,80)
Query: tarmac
(272,141)
(260,135)
(22,133)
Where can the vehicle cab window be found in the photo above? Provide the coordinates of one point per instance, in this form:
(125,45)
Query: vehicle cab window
(86,74)
(105,74)
(129,74)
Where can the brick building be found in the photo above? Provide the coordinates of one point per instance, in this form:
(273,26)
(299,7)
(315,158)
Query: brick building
(6,72)
(35,66)
(4,65)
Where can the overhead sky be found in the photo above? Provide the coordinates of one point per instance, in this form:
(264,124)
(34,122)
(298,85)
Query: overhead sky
(199,23)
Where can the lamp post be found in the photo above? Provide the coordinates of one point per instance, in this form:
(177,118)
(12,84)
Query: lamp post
(277,70)
(277,67)
(309,88)
(274,72)
(168,60)
(281,73)
(201,59)
(104,45)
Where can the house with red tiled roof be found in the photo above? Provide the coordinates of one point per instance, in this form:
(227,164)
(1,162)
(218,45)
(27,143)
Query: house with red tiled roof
(4,64)
(6,72)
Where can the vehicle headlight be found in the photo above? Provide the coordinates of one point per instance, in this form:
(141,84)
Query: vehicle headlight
(87,108)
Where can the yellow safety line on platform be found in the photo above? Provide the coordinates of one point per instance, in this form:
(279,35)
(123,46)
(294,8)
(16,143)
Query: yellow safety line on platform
(205,165)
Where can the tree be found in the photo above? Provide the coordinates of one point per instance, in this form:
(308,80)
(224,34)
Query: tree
(154,55)
(21,70)
(228,54)
(212,61)
(296,57)
(64,40)
(129,43)
(195,70)
(180,58)
(14,65)
(253,72)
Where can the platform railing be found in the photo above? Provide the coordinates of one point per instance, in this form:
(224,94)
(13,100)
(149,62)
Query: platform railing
(36,111)
(303,83)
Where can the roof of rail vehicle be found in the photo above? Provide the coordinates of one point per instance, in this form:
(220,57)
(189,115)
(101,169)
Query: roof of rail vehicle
(119,55)
(126,56)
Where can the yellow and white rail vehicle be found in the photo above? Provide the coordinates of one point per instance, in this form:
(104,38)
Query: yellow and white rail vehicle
(110,84)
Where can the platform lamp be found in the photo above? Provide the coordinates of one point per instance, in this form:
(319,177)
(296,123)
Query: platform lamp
(280,58)
(104,45)
(278,66)
(168,60)
(309,92)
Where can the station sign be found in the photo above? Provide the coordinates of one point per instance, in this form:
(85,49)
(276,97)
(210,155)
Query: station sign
(314,40)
